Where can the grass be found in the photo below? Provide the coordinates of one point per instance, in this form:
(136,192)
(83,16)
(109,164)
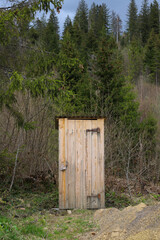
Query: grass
(46,227)
(74,226)
(29,215)
(8,230)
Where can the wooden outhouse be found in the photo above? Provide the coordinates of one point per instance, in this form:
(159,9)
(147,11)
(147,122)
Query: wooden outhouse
(81,163)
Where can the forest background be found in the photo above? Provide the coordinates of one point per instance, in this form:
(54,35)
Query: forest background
(93,69)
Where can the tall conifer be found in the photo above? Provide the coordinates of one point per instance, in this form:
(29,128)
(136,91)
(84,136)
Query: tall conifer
(154,17)
(52,33)
(144,22)
(132,21)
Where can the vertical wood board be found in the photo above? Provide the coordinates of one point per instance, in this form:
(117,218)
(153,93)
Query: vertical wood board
(81,164)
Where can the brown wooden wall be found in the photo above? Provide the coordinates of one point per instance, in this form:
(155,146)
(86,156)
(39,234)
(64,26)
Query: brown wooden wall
(81,164)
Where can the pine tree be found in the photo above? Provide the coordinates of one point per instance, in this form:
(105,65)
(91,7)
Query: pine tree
(154,17)
(144,27)
(132,20)
(52,34)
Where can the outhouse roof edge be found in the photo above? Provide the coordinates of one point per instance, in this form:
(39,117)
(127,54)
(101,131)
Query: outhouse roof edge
(77,118)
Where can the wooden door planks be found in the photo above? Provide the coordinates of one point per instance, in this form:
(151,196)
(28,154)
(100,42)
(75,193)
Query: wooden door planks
(81,185)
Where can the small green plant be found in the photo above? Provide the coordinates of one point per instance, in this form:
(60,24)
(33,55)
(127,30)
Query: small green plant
(8,230)
(156,197)
(114,199)
(34,229)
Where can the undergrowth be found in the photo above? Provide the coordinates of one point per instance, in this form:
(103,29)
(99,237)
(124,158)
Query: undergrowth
(33,214)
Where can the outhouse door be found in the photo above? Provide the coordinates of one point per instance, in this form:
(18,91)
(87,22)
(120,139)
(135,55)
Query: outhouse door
(81,164)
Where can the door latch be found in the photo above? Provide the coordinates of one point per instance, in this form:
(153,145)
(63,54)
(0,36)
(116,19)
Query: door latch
(64,167)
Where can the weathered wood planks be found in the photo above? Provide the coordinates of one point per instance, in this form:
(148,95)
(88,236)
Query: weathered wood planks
(81,163)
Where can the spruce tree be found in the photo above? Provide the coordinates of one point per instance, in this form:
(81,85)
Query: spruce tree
(52,33)
(80,30)
(132,21)
(154,17)
(92,28)
(81,17)
(68,26)
(144,27)
(152,57)
(103,18)
(98,21)
(115,95)
(69,65)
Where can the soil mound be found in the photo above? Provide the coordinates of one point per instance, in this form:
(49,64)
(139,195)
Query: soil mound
(140,222)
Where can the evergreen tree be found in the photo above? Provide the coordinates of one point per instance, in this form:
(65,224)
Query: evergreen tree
(37,31)
(92,28)
(98,21)
(115,96)
(69,65)
(103,18)
(68,26)
(152,57)
(135,57)
(154,17)
(92,19)
(81,17)
(144,27)
(80,30)
(52,34)
(132,20)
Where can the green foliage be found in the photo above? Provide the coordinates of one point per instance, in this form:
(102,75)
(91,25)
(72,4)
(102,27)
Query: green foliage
(152,57)
(149,127)
(52,34)
(68,26)
(14,17)
(69,65)
(45,86)
(81,17)
(80,30)
(114,92)
(154,16)
(8,230)
(148,130)
(114,199)
(136,55)
(132,20)
(34,229)
(6,162)
(98,22)
(144,21)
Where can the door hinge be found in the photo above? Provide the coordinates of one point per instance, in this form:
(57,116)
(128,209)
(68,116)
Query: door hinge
(97,130)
